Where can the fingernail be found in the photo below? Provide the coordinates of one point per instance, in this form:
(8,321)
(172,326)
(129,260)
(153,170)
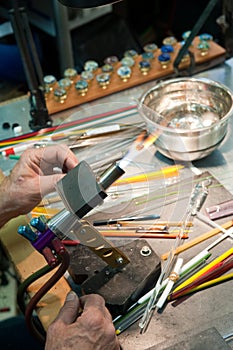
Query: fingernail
(71,296)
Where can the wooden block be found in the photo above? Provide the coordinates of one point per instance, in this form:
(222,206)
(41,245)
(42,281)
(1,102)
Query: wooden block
(215,55)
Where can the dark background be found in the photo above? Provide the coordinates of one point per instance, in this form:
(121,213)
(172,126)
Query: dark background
(132,24)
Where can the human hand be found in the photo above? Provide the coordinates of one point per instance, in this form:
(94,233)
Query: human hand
(82,323)
(33,177)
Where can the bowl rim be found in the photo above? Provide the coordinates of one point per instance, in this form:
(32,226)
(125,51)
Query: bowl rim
(175,80)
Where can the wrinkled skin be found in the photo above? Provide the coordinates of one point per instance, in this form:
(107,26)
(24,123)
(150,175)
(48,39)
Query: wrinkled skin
(32,178)
(82,323)
(89,329)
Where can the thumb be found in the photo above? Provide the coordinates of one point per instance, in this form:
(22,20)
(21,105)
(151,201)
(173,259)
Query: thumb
(70,310)
(48,183)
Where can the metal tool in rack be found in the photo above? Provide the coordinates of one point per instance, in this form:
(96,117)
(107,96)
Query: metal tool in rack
(38,110)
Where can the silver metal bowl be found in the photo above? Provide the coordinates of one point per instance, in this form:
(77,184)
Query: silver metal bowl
(189,115)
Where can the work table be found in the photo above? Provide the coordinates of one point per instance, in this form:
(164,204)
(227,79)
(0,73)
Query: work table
(206,309)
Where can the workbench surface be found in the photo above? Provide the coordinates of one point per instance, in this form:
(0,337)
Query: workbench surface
(210,308)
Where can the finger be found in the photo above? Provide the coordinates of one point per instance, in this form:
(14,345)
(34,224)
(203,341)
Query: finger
(71,161)
(59,156)
(95,300)
(92,299)
(70,310)
(48,183)
(67,159)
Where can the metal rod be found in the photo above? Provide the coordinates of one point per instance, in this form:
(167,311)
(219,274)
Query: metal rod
(199,24)
(18,28)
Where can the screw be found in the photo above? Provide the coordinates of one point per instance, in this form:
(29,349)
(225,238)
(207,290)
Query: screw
(83,231)
(145,251)
(119,260)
